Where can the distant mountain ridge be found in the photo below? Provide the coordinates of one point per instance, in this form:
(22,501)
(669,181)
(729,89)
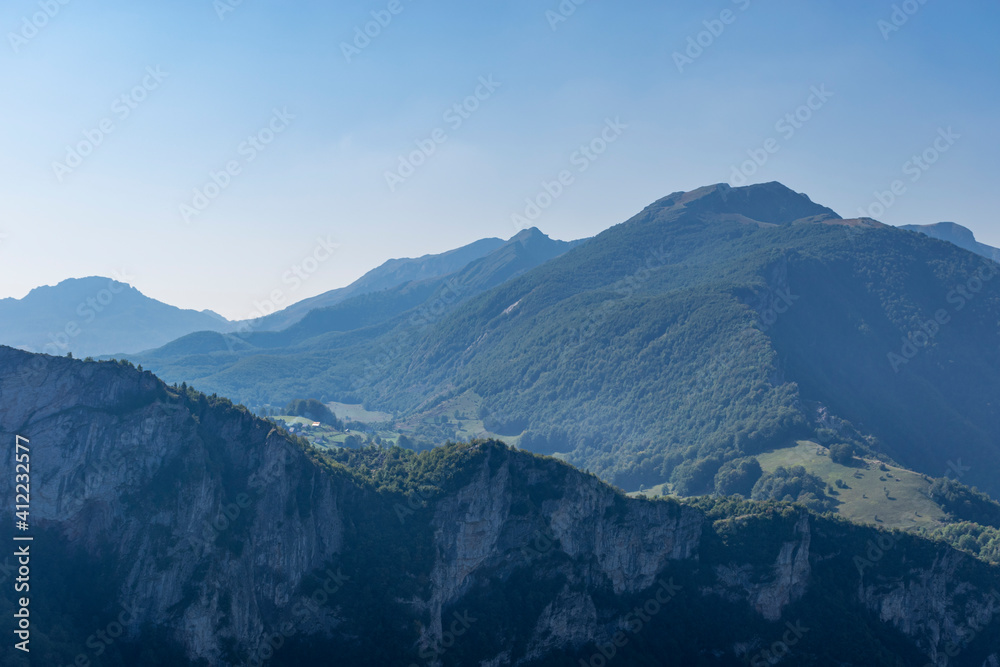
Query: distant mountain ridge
(955,233)
(96,316)
(413,303)
(392,273)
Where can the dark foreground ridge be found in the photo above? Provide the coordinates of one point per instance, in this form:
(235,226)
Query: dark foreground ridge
(174,528)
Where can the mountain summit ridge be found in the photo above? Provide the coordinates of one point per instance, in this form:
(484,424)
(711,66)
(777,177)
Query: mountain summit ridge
(771,203)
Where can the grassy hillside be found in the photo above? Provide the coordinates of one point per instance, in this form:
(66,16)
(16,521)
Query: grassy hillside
(873,492)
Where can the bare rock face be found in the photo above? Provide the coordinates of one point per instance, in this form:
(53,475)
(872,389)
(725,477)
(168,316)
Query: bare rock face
(126,472)
(786,583)
(214,528)
(933,604)
(477,534)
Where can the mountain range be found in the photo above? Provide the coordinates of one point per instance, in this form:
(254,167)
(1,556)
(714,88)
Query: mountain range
(367,321)
(796,403)
(715,324)
(102,316)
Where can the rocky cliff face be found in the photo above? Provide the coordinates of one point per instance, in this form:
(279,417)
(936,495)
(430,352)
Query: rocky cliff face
(189,505)
(225,538)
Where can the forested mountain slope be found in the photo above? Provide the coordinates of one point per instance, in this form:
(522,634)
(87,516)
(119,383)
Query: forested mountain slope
(690,335)
(389,275)
(712,325)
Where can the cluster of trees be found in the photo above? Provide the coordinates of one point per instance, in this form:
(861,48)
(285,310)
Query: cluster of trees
(975,516)
(980,541)
(738,477)
(794,484)
(312,409)
(842,453)
(965,503)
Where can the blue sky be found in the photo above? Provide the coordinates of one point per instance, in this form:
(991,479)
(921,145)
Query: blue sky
(336,126)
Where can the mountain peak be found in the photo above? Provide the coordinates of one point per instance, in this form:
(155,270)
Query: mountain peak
(772,203)
(95,316)
(529,234)
(950,231)
(76,284)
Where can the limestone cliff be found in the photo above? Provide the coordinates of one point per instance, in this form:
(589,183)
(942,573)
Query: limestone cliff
(230,541)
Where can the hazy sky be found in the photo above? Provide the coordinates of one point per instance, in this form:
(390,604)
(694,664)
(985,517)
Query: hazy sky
(183,87)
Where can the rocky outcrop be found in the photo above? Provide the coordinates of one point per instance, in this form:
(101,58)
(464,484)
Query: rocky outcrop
(124,470)
(934,604)
(786,583)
